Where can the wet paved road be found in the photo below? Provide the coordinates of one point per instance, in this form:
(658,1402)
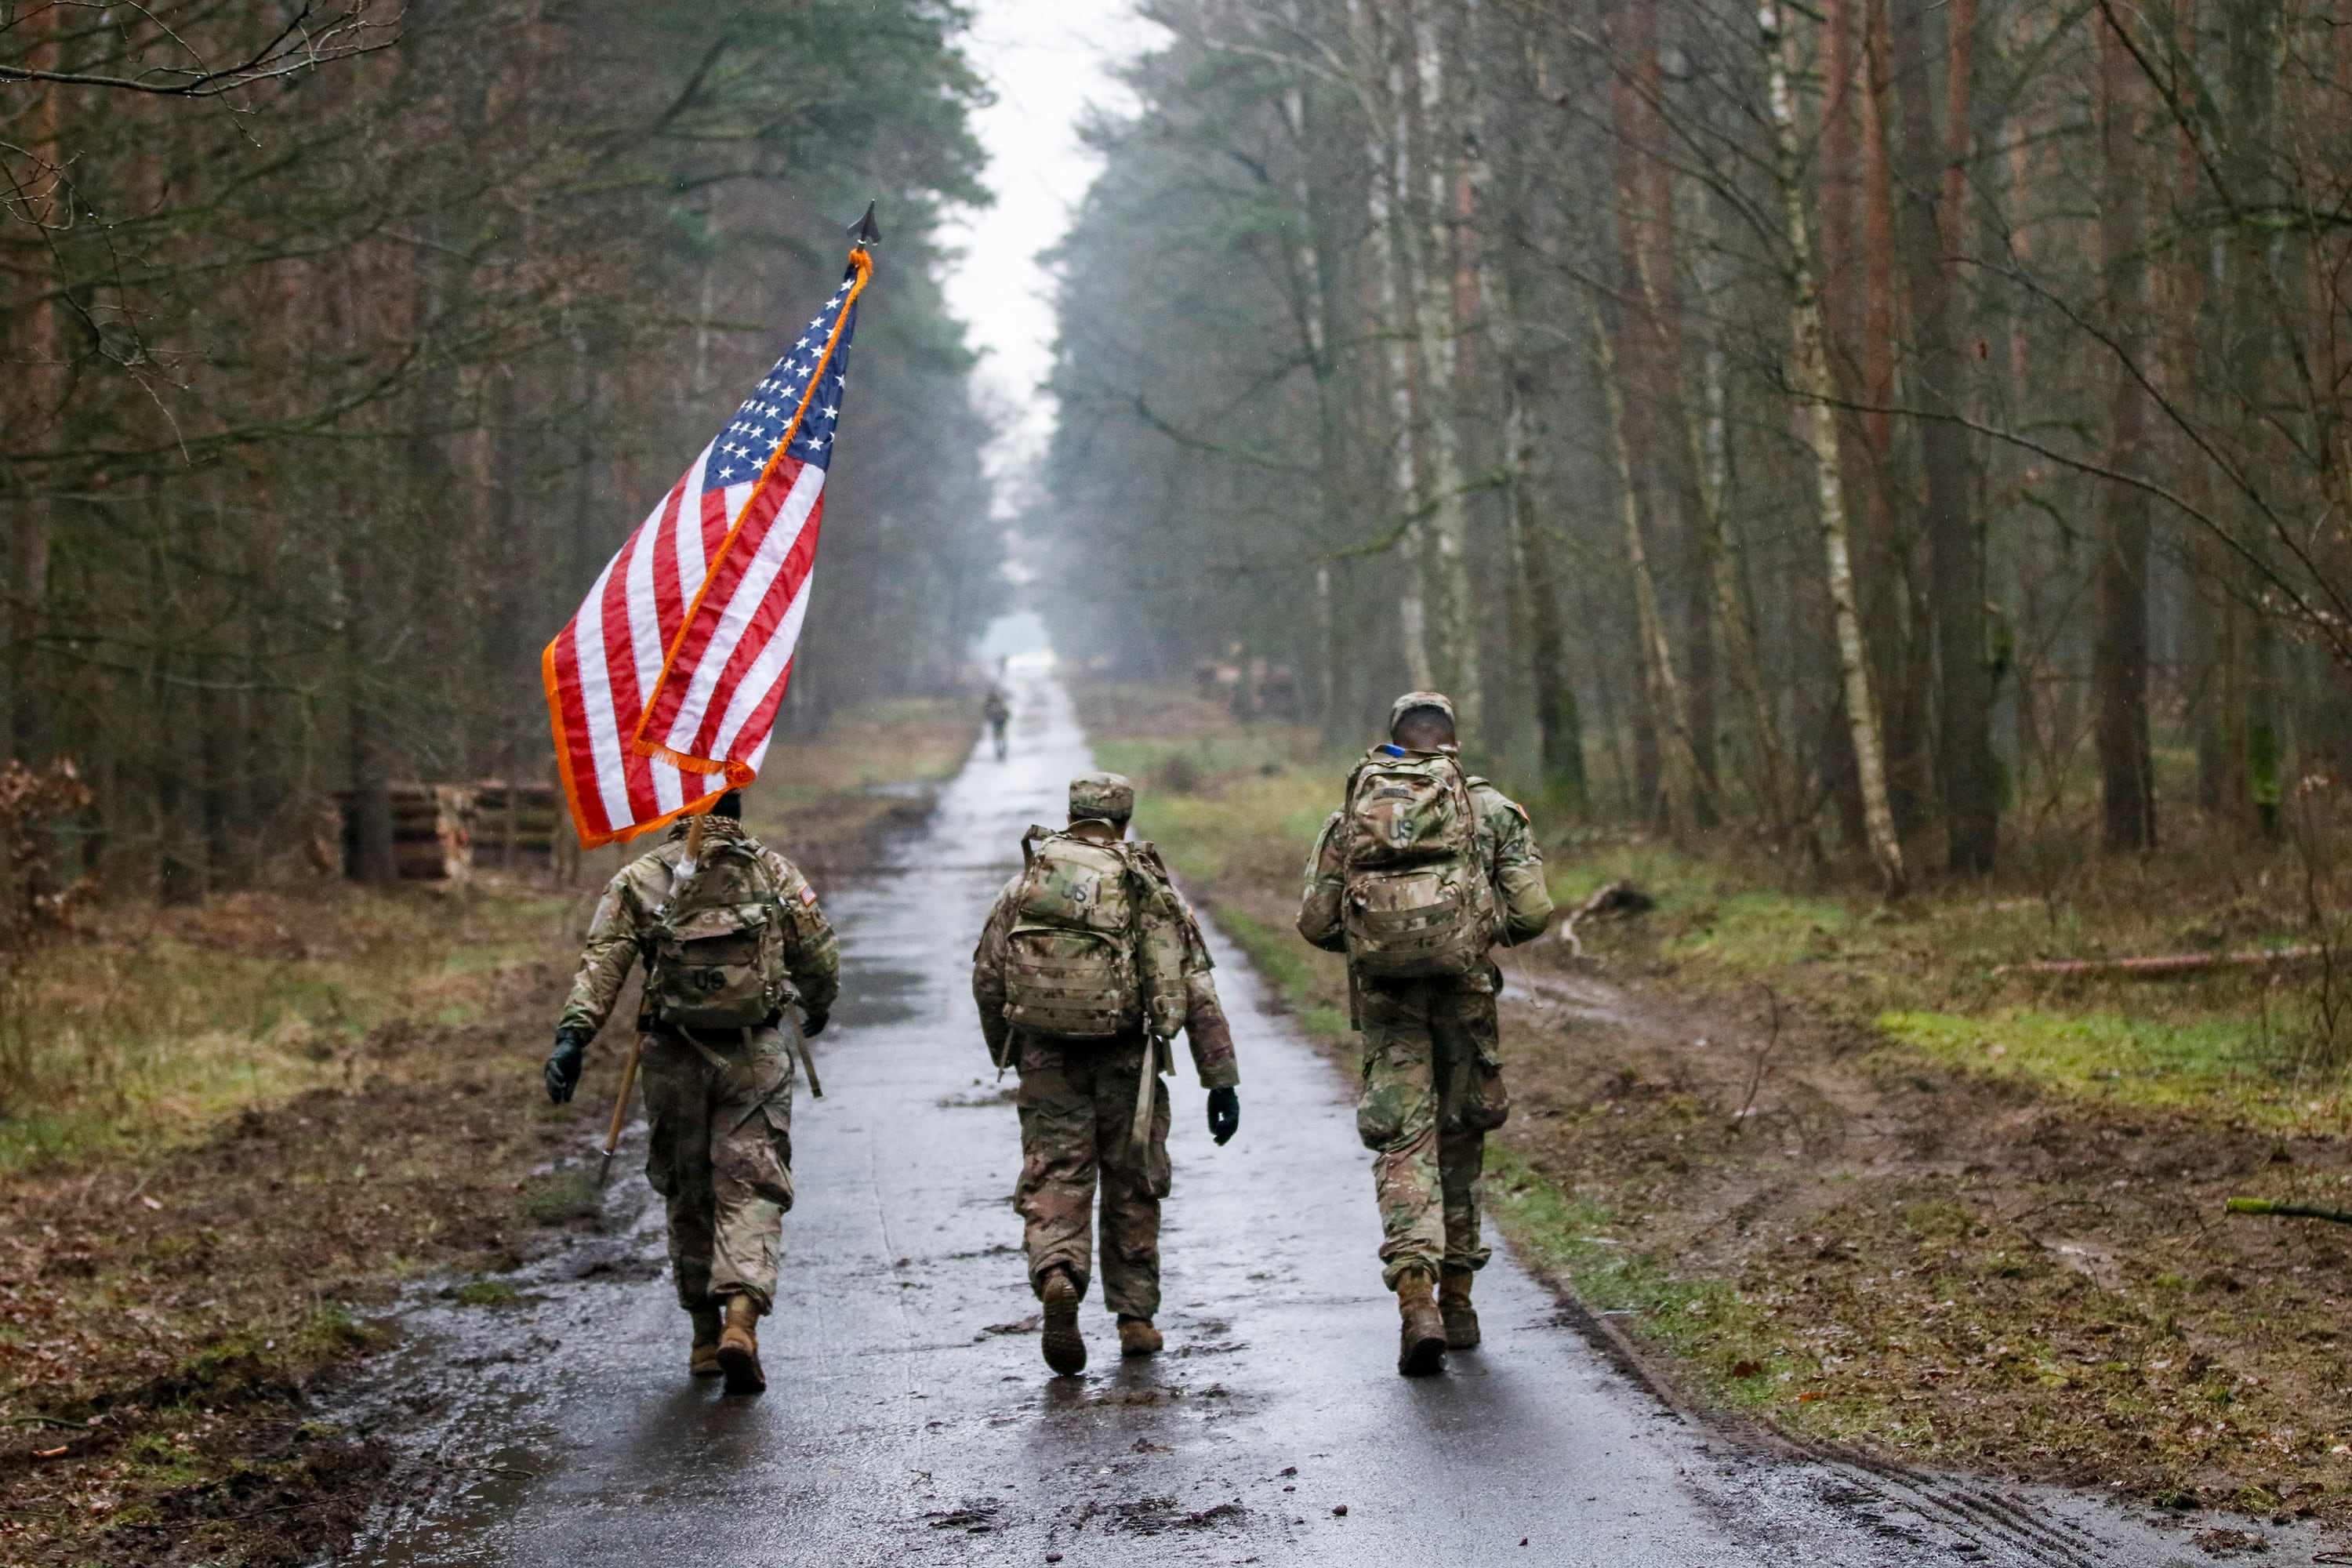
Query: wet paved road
(911,1420)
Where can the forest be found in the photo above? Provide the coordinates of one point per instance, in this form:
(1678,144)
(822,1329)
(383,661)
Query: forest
(1872,477)
(346,340)
(1887,429)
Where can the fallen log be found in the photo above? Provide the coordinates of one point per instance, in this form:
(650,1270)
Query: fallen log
(1611,900)
(2163,964)
(2286,1210)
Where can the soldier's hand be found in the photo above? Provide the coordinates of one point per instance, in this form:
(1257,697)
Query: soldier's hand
(1225,1114)
(564,1063)
(813,1024)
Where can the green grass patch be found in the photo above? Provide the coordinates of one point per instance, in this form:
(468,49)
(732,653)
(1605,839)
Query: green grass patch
(116,1041)
(2142,1061)
(1290,966)
(1723,1346)
(1760,932)
(561,1196)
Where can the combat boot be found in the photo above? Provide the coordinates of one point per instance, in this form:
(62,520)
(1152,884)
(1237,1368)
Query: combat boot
(1454,1306)
(739,1347)
(1066,1351)
(1421,1344)
(1137,1337)
(703,1362)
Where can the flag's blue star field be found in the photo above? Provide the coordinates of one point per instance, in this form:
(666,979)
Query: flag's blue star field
(743,448)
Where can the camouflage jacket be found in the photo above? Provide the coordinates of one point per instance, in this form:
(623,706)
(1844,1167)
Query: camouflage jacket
(640,887)
(1171,944)
(1514,862)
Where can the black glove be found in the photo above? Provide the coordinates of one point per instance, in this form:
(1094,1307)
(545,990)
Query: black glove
(1225,1114)
(564,1063)
(813,1024)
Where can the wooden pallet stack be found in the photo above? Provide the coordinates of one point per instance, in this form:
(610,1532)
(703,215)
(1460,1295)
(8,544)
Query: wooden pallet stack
(432,831)
(520,827)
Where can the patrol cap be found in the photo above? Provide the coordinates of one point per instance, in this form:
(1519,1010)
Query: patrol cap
(1111,796)
(1413,699)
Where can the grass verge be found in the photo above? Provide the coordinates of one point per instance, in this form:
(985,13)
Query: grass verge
(1833,1167)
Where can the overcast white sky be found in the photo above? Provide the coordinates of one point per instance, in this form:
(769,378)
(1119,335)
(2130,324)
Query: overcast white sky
(1048,61)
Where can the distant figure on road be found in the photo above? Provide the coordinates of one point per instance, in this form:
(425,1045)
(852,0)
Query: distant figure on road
(1000,713)
(1418,874)
(732,941)
(1088,966)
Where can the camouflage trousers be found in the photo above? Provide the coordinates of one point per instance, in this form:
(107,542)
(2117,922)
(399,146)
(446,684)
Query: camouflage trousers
(1077,1105)
(1432,1089)
(720,1101)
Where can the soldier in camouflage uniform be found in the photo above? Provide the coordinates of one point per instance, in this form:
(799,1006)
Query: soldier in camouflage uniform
(1078,1097)
(1433,1083)
(720,1101)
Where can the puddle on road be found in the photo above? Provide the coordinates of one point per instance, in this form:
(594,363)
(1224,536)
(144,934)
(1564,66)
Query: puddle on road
(874,993)
(1585,1001)
(982,1096)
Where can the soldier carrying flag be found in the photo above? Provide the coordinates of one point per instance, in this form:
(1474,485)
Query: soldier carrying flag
(663,691)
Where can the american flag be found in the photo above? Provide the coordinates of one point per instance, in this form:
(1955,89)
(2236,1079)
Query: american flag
(663,688)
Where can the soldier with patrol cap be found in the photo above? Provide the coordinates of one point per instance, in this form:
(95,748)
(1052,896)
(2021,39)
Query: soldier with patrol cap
(1087,967)
(1422,871)
(732,942)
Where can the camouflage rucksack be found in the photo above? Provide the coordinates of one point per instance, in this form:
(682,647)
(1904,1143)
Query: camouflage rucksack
(1071,969)
(1416,900)
(715,950)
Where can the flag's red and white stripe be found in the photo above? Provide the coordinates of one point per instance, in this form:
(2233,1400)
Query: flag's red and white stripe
(599,669)
(727,677)
(663,691)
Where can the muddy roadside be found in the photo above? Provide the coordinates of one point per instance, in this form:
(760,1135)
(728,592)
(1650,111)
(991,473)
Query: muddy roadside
(1803,1216)
(181,1274)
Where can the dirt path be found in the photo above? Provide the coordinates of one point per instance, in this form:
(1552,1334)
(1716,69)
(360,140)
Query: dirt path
(909,1418)
(1947,1263)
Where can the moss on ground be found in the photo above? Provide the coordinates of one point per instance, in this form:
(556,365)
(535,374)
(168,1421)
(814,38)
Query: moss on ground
(2207,1061)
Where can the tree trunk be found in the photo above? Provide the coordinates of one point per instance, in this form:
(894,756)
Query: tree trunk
(1433,303)
(1630,769)
(1560,726)
(29,675)
(1815,385)
(1684,785)
(1837,169)
(1657,256)
(1956,542)
(1773,791)
(1390,169)
(2119,658)
(2251,29)
(1885,540)
(1842,322)
(1313,306)
(2207,613)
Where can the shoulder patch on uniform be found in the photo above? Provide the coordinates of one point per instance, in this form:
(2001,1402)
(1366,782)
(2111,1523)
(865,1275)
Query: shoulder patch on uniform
(1477,783)
(808,894)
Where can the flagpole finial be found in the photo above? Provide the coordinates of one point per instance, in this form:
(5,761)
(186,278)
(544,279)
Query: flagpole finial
(866,231)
